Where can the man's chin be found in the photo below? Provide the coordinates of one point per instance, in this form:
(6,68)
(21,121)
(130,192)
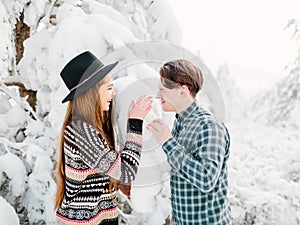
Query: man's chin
(166,109)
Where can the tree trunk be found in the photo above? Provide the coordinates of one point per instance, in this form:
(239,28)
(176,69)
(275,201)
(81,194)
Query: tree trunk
(25,92)
(22,32)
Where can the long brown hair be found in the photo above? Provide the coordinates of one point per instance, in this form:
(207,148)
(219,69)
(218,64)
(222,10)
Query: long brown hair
(88,108)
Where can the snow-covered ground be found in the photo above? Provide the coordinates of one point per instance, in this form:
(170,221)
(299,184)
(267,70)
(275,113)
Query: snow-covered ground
(264,176)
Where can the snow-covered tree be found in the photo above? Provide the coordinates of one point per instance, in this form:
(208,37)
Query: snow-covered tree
(281,105)
(264,170)
(233,97)
(38,38)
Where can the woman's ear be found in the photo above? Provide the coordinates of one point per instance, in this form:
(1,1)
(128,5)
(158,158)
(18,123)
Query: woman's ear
(185,90)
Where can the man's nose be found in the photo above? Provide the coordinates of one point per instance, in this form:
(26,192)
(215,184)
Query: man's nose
(158,94)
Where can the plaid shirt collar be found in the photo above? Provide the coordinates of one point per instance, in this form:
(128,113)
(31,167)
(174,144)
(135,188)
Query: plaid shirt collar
(183,115)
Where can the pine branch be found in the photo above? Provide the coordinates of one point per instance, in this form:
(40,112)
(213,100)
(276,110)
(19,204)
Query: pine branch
(21,101)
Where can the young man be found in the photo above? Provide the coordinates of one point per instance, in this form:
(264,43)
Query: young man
(197,149)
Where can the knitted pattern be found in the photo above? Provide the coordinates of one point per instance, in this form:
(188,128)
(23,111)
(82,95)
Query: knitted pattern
(89,164)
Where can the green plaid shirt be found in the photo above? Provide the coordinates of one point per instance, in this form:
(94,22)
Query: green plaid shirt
(198,154)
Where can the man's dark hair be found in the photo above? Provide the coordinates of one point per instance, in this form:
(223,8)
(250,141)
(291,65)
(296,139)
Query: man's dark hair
(176,73)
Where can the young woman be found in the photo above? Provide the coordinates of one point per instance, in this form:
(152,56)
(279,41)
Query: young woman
(89,167)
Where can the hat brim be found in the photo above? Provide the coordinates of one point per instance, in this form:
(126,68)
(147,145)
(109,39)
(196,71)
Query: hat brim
(90,83)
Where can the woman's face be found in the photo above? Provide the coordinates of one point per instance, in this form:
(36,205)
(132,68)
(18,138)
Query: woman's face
(106,94)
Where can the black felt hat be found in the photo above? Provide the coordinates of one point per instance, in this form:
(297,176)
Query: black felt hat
(82,73)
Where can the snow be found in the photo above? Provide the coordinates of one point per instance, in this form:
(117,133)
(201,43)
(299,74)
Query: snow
(264,174)
(5,39)
(159,20)
(264,165)
(295,116)
(5,105)
(33,12)
(42,189)
(14,8)
(7,213)
(17,120)
(13,167)
(98,8)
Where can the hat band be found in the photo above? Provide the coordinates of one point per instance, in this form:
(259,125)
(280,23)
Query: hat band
(87,79)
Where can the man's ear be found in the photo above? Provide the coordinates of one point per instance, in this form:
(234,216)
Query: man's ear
(185,90)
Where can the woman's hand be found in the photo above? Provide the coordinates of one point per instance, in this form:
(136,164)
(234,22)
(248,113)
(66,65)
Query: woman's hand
(140,108)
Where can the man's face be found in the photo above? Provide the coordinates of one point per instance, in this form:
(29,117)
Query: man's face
(169,98)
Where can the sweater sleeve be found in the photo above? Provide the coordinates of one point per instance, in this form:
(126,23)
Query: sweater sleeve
(95,152)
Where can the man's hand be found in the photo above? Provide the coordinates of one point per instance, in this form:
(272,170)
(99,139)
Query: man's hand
(160,130)
(171,222)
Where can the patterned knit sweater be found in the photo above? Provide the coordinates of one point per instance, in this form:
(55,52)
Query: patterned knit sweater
(89,163)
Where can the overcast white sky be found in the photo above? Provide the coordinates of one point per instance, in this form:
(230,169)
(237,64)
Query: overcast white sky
(249,35)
